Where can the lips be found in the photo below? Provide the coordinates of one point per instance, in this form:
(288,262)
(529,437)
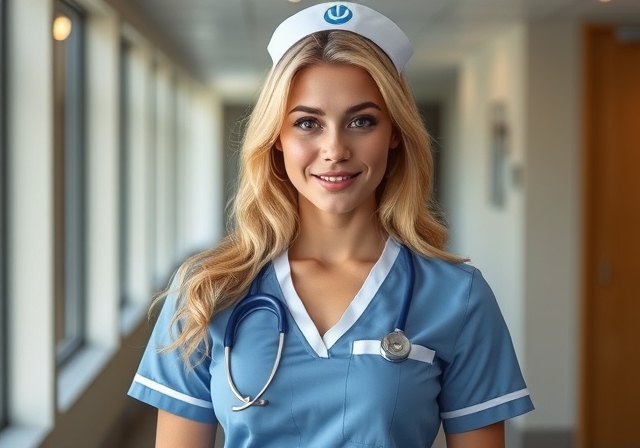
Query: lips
(335,182)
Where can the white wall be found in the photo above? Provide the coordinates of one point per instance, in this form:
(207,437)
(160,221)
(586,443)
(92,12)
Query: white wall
(492,237)
(552,223)
(205,182)
(528,250)
(30,227)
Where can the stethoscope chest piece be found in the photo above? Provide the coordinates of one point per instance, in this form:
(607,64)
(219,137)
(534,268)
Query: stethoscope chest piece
(395,346)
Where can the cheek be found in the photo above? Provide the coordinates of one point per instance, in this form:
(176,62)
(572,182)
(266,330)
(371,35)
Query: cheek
(299,143)
(379,159)
(296,157)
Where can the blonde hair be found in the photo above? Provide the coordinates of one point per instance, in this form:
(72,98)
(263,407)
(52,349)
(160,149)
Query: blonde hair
(265,208)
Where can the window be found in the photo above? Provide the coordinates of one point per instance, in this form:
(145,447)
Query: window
(3,220)
(135,184)
(125,166)
(69,185)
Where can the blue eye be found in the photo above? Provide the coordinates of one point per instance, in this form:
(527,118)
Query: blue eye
(306,123)
(362,122)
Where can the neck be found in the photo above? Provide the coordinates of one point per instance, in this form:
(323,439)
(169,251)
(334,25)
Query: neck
(335,238)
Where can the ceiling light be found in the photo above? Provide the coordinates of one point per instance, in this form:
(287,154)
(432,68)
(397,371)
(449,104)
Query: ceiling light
(294,1)
(61,28)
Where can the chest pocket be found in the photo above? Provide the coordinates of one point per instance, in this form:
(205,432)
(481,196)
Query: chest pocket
(376,388)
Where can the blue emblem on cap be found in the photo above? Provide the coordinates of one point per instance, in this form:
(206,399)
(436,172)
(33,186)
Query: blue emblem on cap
(337,15)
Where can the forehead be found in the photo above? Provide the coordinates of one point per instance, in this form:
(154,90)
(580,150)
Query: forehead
(331,84)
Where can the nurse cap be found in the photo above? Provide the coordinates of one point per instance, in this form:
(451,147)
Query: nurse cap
(345,16)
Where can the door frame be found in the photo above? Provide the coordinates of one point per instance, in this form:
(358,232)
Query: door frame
(588,147)
(588,228)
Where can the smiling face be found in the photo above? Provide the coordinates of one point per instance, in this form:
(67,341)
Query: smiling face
(336,138)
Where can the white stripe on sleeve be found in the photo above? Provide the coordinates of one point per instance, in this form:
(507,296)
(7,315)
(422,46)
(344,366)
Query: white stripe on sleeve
(171,393)
(486,405)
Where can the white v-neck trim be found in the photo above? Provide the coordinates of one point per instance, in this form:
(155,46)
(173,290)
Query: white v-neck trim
(322,345)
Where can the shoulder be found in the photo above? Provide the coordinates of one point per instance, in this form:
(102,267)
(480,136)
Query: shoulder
(459,284)
(452,297)
(445,274)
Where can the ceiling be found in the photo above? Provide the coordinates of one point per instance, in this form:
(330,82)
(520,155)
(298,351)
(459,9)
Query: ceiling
(225,41)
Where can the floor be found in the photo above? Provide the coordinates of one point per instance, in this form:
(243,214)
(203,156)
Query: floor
(141,431)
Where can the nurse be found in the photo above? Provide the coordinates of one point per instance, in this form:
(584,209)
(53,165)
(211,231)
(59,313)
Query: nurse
(333,211)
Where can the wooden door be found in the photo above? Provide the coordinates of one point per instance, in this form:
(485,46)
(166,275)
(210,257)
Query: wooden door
(610,405)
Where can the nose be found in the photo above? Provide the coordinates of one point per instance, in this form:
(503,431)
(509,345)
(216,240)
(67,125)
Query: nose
(335,147)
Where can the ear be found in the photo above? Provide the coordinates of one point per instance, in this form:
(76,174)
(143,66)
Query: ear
(278,144)
(395,140)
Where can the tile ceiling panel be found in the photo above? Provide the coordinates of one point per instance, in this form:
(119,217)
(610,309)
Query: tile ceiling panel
(227,37)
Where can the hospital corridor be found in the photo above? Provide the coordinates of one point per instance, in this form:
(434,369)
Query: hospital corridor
(121,123)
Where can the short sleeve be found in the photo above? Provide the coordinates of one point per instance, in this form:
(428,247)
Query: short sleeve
(164,381)
(482,384)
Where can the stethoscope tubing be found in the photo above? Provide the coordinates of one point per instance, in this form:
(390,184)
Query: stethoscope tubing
(401,323)
(253,302)
(394,347)
(248,401)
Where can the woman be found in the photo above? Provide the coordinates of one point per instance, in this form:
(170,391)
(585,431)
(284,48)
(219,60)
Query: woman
(333,222)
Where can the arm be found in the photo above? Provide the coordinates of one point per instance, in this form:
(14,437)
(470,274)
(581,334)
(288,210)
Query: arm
(178,432)
(491,436)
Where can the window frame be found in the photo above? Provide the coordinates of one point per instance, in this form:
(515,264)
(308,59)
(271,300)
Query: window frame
(71,232)
(4,307)
(151,187)
(124,170)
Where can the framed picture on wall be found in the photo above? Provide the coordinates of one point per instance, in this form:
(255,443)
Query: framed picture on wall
(499,153)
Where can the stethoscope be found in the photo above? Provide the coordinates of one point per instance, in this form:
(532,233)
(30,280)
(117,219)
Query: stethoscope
(394,347)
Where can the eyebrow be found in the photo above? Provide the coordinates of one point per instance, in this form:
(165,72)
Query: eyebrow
(362,106)
(350,110)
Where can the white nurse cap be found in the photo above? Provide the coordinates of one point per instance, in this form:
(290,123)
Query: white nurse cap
(345,16)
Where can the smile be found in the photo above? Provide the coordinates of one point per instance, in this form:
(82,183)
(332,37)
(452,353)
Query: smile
(336,178)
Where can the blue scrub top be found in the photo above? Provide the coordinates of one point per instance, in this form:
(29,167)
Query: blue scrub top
(336,389)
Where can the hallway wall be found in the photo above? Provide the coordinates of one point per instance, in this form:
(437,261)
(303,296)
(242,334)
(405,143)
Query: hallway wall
(528,249)
(490,235)
(552,226)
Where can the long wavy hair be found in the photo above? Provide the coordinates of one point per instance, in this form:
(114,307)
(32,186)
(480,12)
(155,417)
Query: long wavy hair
(265,210)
